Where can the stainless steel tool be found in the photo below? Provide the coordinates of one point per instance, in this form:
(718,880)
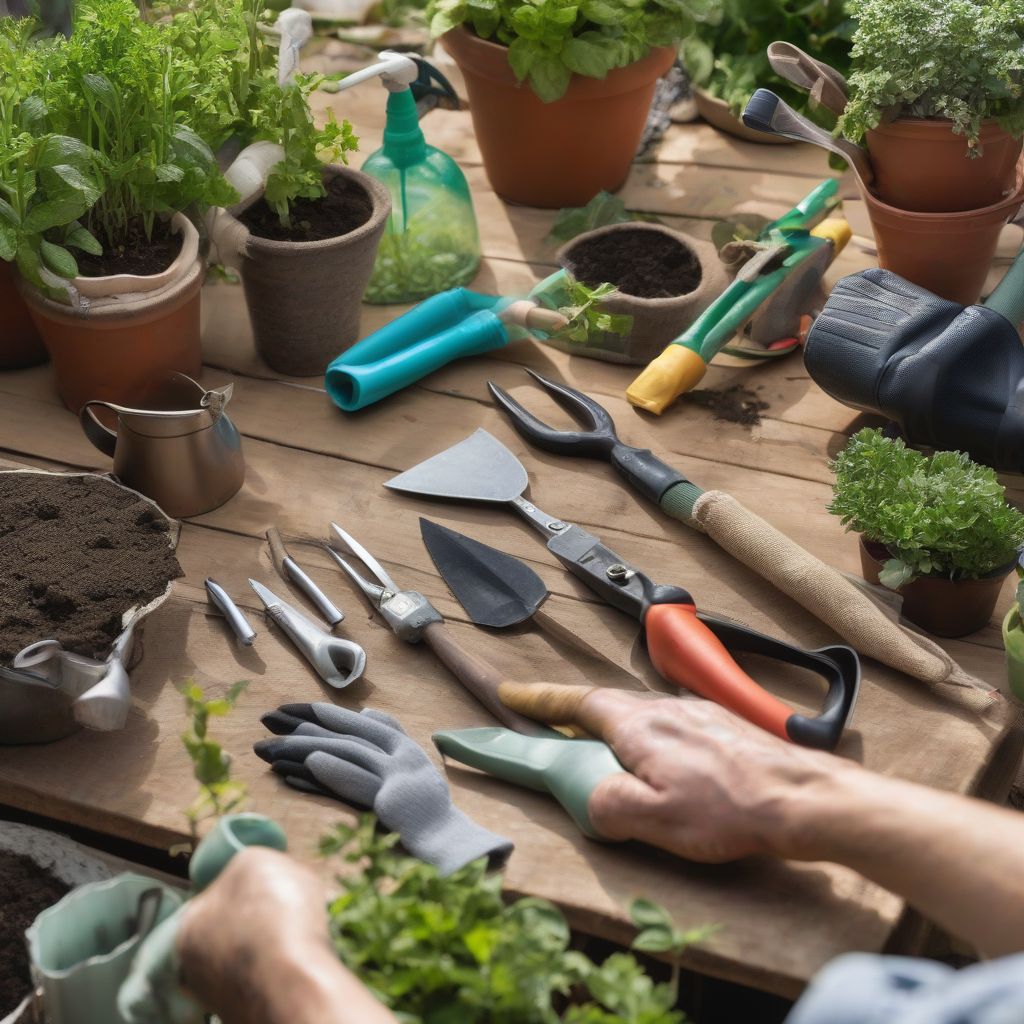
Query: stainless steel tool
(825,85)
(338,662)
(290,570)
(221,600)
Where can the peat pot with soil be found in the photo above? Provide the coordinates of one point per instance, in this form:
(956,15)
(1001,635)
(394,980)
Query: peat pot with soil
(304,278)
(663,279)
(935,529)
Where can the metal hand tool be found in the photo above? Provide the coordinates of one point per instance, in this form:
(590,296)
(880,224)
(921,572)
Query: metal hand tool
(338,662)
(289,569)
(221,600)
(413,618)
(687,647)
(826,85)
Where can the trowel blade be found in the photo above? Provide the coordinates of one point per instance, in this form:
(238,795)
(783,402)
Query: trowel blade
(496,589)
(480,468)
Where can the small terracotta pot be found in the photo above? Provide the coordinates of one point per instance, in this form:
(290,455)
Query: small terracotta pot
(20,344)
(562,153)
(305,298)
(122,343)
(922,165)
(656,322)
(950,254)
(719,115)
(940,606)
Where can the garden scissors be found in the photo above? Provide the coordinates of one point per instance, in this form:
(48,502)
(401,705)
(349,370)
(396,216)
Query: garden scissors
(338,662)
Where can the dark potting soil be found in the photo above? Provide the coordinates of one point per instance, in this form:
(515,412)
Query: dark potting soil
(647,264)
(28,889)
(136,254)
(76,554)
(736,404)
(346,207)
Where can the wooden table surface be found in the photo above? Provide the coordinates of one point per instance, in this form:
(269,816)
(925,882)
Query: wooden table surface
(308,463)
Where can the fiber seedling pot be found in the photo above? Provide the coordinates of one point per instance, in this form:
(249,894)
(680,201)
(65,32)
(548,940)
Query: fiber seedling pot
(20,344)
(940,606)
(658,320)
(948,253)
(128,333)
(922,165)
(305,298)
(561,153)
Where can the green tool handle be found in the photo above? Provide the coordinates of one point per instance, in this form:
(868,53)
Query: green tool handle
(1008,298)
(817,202)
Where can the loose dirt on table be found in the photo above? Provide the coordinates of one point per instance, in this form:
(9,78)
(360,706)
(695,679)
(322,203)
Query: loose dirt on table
(736,404)
(28,889)
(647,264)
(137,255)
(346,207)
(76,554)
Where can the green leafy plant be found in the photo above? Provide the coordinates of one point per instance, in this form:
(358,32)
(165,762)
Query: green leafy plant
(602,210)
(587,319)
(942,515)
(956,59)
(550,40)
(219,794)
(726,55)
(439,950)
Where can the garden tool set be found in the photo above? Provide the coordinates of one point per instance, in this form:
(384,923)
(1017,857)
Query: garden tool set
(949,376)
(789,246)
(687,647)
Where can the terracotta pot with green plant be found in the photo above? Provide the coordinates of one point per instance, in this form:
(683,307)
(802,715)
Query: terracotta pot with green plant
(935,529)
(937,95)
(559,91)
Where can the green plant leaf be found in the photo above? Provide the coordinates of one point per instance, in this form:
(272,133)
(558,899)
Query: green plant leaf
(81,238)
(549,77)
(895,574)
(28,263)
(63,149)
(54,214)
(58,259)
(588,55)
(8,242)
(646,913)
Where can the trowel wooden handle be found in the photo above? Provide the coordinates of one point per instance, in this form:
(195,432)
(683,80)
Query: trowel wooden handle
(478,677)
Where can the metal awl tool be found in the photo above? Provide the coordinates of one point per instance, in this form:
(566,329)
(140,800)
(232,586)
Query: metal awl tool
(290,570)
(221,600)
(338,662)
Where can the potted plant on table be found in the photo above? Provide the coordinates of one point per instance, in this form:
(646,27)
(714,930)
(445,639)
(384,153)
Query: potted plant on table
(936,529)
(559,90)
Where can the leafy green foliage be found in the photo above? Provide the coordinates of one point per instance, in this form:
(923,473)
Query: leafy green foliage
(550,40)
(219,794)
(726,56)
(587,319)
(412,265)
(956,59)
(602,210)
(451,951)
(942,515)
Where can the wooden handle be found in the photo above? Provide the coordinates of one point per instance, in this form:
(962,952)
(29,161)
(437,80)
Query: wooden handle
(478,677)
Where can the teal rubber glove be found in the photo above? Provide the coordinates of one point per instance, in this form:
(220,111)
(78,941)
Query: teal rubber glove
(152,992)
(568,769)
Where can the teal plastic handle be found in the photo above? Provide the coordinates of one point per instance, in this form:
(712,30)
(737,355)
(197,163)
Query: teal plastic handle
(1008,298)
(354,385)
(567,769)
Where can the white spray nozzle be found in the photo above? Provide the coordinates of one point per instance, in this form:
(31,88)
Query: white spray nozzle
(296,28)
(395,70)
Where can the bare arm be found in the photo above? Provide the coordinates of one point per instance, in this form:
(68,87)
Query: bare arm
(711,787)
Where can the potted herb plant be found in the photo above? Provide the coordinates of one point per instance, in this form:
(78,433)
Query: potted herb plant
(937,94)
(559,90)
(937,529)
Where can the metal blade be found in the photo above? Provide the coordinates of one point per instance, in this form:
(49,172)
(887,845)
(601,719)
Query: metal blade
(480,468)
(496,589)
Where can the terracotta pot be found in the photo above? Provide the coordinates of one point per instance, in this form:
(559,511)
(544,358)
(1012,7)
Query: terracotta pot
(656,322)
(121,344)
(20,344)
(562,153)
(305,298)
(719,115)
(950,254)
(940,606)
(922,165)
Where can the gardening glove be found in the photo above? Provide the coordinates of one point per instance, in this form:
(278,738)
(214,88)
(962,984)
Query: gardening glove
(366,758)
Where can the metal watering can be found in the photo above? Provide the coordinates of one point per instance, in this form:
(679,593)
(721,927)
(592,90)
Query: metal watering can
(183,452)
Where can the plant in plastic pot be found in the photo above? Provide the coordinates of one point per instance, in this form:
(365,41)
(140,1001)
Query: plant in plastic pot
(559,89)
(130,315)
(937,94)
(936,529)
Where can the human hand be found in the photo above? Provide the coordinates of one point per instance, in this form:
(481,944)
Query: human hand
(700,781)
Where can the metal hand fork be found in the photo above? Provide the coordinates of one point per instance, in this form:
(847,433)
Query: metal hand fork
(338,662)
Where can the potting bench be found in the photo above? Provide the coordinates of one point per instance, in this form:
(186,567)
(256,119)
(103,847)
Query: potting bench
(308,464)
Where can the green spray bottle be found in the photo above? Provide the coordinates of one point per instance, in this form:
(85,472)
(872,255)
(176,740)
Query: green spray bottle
(431,241)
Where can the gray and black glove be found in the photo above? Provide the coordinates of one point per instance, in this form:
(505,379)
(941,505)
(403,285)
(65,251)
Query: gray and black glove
(366,758)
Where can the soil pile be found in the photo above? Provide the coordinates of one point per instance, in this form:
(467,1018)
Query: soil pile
(77,553)
(346,207)
(736,404)
(648,264)
(136,255)
(28,890)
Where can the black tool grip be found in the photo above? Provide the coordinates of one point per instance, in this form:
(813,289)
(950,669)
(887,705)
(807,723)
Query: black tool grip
(643,470)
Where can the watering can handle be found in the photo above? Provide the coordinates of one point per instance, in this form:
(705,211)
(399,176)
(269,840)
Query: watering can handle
(102,437)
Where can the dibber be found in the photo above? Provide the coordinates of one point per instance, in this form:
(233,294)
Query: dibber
(239,624)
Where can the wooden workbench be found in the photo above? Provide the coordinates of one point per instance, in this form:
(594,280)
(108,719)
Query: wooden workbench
(308,464)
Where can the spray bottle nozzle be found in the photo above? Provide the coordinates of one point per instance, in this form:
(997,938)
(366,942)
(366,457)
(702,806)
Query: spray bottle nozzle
(395,70)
